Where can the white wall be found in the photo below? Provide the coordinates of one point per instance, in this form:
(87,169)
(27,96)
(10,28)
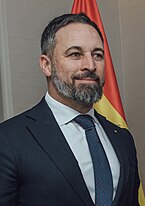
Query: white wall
(132,15)
(22,22)
(1,103)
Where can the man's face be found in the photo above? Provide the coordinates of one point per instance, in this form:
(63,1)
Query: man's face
(78,64)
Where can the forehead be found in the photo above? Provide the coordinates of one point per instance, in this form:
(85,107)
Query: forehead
(77,34)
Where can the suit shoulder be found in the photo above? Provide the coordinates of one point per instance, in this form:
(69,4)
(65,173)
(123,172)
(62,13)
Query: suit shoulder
(21,117)
(125,133)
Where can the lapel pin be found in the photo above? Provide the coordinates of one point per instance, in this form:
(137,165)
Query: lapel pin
(115,131)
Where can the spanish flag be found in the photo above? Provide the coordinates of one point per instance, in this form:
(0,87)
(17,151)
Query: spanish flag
(110,105)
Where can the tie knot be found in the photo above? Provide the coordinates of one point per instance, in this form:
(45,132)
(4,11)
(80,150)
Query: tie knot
(85,121)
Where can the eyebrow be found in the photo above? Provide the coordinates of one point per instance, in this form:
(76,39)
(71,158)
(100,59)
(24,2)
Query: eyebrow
(81,50)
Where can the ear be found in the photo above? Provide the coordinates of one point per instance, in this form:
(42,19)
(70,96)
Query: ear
(45,65)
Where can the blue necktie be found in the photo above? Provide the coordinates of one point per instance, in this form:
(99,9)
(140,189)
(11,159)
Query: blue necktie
(102,173)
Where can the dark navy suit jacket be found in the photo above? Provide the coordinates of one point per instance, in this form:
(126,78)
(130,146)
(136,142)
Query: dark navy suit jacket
(37,167)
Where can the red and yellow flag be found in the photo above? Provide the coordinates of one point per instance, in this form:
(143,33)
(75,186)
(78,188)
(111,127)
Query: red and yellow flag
(110,105)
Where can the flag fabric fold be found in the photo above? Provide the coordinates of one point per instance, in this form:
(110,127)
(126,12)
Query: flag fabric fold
(110,105)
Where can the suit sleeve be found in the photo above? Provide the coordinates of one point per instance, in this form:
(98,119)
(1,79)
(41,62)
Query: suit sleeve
(137,184)
(136,175)
(8,173)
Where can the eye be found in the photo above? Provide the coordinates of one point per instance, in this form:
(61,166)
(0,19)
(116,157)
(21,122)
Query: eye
(75,55)
(98,56)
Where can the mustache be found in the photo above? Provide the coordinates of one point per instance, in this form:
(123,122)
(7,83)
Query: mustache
(86,75)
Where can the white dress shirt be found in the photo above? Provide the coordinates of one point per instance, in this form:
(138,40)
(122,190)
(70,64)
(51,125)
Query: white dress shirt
(75,136)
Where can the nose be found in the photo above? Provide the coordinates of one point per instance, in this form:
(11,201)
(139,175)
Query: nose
(89,63)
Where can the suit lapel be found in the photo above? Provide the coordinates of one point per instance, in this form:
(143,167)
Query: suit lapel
(115,137)
(49,136)
(47,133)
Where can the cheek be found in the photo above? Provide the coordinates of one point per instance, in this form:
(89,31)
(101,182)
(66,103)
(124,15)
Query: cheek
(102,76)
(65,70)
(100,72)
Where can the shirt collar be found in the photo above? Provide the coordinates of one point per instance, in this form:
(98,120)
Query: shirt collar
(62,113)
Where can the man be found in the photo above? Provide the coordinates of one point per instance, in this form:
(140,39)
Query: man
(45,154)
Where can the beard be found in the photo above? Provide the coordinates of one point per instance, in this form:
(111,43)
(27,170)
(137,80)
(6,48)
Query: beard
(86,94)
